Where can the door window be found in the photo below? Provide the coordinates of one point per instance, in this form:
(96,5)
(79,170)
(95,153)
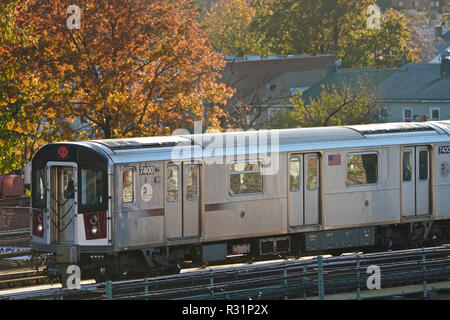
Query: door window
(311,183)
(294,174)
(191,182)
(423,165)
(407,165)
(172,183)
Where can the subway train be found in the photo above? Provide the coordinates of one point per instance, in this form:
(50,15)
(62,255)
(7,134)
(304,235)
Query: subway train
(154,204)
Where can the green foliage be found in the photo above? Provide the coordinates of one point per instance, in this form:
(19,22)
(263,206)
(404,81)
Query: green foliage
(238,27)
(336,106)
(384,47)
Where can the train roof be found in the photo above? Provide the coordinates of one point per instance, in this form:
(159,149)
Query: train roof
(266,141)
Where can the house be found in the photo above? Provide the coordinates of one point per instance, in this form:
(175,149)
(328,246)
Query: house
(417,91)
(267,83)
(358,78)
(435,5)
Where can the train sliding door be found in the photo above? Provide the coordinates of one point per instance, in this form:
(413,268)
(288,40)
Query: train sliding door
(304,173)
(415,181)
(62,195)
(182,200)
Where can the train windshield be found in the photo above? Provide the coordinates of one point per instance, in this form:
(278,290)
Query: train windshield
(91,187)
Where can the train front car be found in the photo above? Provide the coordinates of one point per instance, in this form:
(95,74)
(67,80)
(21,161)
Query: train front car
(70,205)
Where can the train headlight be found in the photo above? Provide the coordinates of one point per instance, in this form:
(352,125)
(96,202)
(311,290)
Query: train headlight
(93,219)
(40,227)
(94,230)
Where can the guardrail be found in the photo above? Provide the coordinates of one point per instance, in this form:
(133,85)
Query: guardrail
(289,279)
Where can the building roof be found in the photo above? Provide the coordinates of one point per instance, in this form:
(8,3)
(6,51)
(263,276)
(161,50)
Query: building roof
(446,34)
(247,76)
(415,81)
(354,78)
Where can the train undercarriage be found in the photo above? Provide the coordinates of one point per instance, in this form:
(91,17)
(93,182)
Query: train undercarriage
(148,262)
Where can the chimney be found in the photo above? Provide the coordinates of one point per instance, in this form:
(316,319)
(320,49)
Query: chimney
(438,32)
(445,64)
(331,68)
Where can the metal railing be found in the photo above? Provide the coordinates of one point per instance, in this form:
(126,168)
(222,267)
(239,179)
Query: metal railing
(290,279)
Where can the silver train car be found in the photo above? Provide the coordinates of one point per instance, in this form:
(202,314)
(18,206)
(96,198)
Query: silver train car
(143,204)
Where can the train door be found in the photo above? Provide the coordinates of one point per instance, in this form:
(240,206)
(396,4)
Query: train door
(182,200)
(304,173)
(62,204)
(415,181)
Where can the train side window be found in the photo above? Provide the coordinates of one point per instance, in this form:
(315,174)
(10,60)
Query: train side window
(128,186)
(423,165)
(191,182)
(172,183)
(311,182)
(407,166)
(246,178)
(39,188)
(91,187)
(362,169)
(294,174)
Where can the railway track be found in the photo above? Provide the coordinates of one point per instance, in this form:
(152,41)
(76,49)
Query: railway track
(289,279)
(17,279)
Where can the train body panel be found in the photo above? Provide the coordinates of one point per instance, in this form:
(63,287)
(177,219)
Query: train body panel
(189,197)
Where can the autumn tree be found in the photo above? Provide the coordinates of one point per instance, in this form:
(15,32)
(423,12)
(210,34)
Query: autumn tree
(228,24)
(28,113)
(387,46)
(313,27)
(132,68)
(337,105)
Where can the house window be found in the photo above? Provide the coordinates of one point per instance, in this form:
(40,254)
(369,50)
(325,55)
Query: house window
(435,114)
(407,115)
(246,177)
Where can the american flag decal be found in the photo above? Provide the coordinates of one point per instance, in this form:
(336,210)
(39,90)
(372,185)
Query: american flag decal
(334,160)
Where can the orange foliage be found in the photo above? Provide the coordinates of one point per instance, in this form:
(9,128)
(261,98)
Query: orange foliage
(133,68)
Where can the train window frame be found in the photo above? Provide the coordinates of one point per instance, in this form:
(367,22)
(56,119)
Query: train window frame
(317,172)
(427,165)
(410,151)
(92,207)
(134,185)
(39,203)
(197,181)
(360,154)
(299,173)
(167,184)
(230,173)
